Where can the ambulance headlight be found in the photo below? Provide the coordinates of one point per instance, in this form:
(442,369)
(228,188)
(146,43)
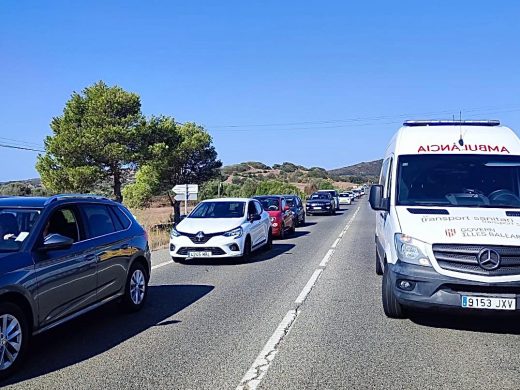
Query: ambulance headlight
(411,250)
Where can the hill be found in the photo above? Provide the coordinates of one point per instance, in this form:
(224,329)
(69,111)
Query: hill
(251,174)
(364,169)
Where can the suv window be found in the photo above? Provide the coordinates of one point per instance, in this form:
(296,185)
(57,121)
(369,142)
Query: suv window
(98,219)
(121,219)
(63,221)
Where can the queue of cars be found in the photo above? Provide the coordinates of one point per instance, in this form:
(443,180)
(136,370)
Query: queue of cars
(236,227)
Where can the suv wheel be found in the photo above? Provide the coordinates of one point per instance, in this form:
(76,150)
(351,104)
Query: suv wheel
(391,307)
(136,288)
(14,338)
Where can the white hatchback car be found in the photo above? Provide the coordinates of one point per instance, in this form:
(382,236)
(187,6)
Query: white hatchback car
(344,198)
(217,228)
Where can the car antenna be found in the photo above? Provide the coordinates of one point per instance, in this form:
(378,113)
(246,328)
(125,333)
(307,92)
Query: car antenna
(461,141)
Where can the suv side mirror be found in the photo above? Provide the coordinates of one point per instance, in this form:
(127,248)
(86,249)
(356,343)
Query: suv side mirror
(56,241)
(376,199)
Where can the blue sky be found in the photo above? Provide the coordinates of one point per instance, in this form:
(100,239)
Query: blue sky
(315,83)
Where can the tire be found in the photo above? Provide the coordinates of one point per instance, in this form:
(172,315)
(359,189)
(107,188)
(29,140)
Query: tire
(269,244)
(246,254)
(303,220)
(136,289)
(21,328)
(379,268)
(391,307)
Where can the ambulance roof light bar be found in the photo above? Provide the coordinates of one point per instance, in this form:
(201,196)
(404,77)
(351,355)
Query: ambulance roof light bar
(415,123)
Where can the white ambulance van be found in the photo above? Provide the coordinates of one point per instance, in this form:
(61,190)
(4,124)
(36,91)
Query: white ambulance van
(448,217)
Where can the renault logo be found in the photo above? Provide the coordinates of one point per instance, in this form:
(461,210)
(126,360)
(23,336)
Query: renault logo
(199,236)
(488,259)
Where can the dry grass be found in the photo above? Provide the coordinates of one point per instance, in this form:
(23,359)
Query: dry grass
(156,221)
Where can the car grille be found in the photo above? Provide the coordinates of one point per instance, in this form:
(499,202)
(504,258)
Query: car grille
(193,237)
(463,258)
(215,251)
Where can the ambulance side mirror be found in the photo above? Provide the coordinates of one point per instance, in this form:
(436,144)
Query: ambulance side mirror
(376,199)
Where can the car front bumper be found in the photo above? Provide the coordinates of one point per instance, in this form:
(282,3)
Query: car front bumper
(219,246)
(433,290)
(311,210)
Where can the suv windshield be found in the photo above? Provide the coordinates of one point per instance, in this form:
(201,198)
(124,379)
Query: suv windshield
(455,180)
(320,196)
(15,226)
(270,204)
(218,210)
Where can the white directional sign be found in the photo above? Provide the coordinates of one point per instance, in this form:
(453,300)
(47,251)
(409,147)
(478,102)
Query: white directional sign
(182,197)
(185,192)
(183,188)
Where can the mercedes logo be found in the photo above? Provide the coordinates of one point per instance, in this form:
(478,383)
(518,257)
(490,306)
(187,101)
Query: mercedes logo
(200,236)
(488,259)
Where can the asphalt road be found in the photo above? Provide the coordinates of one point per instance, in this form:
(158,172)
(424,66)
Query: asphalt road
(211,325)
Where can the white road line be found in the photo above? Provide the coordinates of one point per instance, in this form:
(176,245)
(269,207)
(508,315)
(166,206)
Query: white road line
(327,257)
(308,287)
(336,243)
(161,265)
(255,374)
(258,369)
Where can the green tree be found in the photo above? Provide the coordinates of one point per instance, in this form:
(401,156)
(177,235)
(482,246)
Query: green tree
(98,138)
(194,160)
(139,193)
(15,189)
(326,185)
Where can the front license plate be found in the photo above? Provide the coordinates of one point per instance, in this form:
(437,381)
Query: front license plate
(199,254)
(470,302)
(317,207)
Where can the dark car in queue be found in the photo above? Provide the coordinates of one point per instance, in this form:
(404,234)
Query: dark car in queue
(282,221)
(320,203)
(335,197)
(297,208)
(61,257)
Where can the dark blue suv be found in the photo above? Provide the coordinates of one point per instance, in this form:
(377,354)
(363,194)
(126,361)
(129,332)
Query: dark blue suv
(61,257)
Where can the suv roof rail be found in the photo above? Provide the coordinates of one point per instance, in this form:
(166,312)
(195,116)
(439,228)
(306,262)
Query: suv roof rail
(413,123)
(57,197)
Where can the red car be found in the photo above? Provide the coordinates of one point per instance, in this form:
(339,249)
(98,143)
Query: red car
(282,218)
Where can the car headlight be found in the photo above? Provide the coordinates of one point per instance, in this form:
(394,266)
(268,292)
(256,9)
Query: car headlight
(236,233)
(411,250)
(175,233)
